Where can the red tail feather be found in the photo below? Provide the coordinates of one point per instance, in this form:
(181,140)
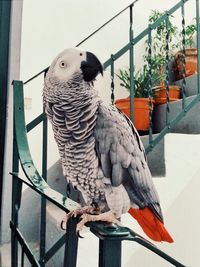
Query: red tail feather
(151,225)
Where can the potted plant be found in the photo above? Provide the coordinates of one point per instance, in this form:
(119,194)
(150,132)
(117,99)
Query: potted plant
(141,100)
(190,54)
(158,46)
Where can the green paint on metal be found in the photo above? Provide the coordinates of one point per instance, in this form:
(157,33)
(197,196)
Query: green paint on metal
(24,153)
(140,36)
(35,122)
(43,199)
(24,245)
(5,9)
(131,63)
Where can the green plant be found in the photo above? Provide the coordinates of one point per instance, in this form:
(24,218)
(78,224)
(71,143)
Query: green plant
(141,80)
(158,54)
(190,31)
(158,43)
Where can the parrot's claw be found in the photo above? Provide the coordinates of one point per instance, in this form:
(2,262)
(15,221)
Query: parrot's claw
(78,234)
(78,212)
(105,217)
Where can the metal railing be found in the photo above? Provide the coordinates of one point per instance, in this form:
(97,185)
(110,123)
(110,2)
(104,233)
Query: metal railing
(109,239)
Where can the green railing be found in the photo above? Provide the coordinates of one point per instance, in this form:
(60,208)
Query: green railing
(133,41)
(109,238)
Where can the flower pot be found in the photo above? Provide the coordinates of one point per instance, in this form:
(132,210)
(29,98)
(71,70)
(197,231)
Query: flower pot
(159,94)
(190,63)
(141,111)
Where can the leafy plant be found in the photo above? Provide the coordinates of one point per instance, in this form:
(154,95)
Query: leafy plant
(141,80)
(158,54)
(158,43)
(190,31)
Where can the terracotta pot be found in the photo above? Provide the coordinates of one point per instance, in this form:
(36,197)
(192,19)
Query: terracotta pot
(159,94)
(190,63)
(141,111)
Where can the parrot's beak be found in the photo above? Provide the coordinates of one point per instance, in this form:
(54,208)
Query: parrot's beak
(91,67)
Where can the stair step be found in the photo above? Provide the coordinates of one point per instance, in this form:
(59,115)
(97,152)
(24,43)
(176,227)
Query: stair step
(156,157)
(191,85)
(190,124)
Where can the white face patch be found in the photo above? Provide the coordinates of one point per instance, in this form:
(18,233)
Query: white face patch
(68,63)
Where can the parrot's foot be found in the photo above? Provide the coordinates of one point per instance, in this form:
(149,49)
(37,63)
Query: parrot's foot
(78,212)
(105,217)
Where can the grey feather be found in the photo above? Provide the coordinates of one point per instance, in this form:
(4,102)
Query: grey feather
(128,162)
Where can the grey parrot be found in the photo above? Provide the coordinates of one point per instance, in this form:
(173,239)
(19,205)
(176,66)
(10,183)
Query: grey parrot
(101,152)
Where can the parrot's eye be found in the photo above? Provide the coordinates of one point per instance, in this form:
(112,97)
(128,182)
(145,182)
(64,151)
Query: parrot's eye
(63,64)
(81,54)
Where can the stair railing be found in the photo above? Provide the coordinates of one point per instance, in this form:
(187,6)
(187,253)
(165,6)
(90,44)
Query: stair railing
(130,47)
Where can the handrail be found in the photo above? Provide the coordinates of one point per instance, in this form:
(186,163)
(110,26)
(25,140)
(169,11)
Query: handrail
(25,157)
(86,38)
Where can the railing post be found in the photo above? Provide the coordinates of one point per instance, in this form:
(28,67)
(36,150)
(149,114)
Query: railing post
(167,70)
(71,244)
(150,84)
(131,62)
(16,199)
(43,200)
(183,57)
(112,73)
(109,253)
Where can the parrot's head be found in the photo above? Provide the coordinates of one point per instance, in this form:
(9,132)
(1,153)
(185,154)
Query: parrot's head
(75,65)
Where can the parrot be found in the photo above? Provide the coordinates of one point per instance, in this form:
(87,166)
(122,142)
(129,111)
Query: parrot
(101,152)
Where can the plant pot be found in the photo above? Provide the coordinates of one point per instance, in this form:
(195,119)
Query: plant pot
(159,94)
(190,63)
(141,111)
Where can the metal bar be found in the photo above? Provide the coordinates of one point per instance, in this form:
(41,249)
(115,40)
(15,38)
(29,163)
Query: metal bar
(112,76)
(25,246)
(167,69)
(14,212)
(16,199)
(25,157)
(43,199)
(131,62)
(22,257)
(71,244)
(62,202)
(36,75)
(198,45)
(31,125)
(150,86)
(86,38)
(106,23)
(53,249)
(183,57)
(109,253)
(5,9)
(159,252)
(144,33)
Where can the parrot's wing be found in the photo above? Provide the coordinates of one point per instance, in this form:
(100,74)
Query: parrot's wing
(122,158)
